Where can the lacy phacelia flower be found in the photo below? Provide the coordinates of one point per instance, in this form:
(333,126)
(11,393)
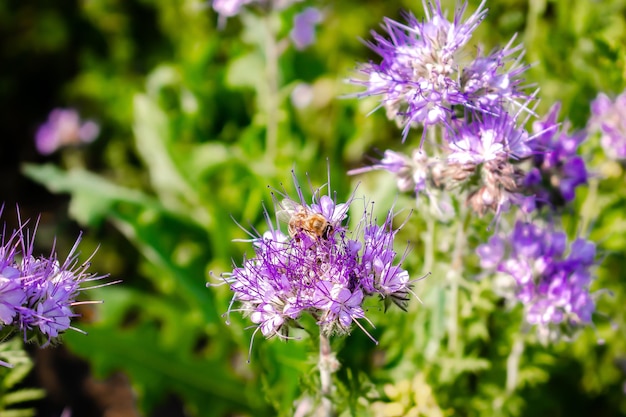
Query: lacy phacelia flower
(609,118)
(37,293)
(481,151)
(303,32)
(491,81)
(423,76)
(480,156)
(64,128)
(318,268)
(557,169)
(551,282)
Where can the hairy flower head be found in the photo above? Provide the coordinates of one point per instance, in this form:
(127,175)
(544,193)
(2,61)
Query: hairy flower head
(551,282)
(37,293)
(324,270)
(424,76)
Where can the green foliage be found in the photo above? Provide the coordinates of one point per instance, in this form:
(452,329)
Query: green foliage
(198,121)
(15,400)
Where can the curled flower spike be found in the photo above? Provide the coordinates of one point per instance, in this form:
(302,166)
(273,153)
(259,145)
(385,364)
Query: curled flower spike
(318,267)
(37,293)
(551,282)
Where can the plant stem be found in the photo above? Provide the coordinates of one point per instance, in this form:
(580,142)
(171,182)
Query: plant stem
(327,365)
(271,75)
(429,244)
(589,209)
(453,277)
(512,363)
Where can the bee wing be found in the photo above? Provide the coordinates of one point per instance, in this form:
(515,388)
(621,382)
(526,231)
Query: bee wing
(287,209)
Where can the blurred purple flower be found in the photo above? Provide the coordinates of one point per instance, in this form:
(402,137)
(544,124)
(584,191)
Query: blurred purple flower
(551,282)
(64,128)
(37,293)
(230,8)
(303,32)
(326,275)
(557,169)
(609,118)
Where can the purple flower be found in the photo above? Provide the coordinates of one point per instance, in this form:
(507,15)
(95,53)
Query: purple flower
(486,137)
(412,174)
(423,75)
(37,292)
(12,294)
(491,81)
(551,282)
(323,270)
(482,150)
(64,128)
(303,32)
(480,158)
(557,169)
(609,118)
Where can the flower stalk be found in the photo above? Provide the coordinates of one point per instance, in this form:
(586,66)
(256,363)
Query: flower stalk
(272,53)
(327,365)
(454,277)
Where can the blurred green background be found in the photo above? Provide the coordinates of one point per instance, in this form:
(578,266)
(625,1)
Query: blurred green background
(196,122)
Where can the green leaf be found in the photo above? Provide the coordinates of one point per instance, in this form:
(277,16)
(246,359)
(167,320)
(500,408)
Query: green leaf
(27,412)
(23,395)
(172,243)
(153,138)
(93,197)
(243,71)
(159,367)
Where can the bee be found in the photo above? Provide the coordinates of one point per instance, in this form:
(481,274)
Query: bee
(300,219)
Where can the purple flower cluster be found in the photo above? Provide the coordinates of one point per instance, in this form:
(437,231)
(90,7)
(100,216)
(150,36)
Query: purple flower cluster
(609,118)
(551,282)
(425,78)
(64,128)
(37,293)
(557,169)
(318,268)
(424,75)
(481,156)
